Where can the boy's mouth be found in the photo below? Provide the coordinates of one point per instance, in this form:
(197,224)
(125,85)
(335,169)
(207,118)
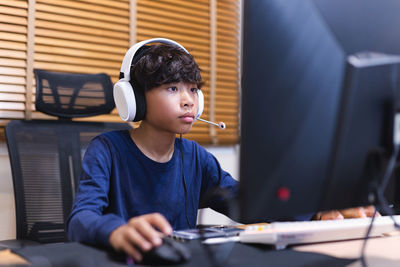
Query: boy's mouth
(187,117)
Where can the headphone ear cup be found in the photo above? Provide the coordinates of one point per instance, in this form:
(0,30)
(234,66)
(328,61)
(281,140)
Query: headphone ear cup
(200,104)
(140,102)
(125,100)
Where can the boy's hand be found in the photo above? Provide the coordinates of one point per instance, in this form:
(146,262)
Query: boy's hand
(329,215)
(139,234)
(359,212)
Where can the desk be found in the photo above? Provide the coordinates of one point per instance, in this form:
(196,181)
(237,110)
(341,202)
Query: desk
(380,252)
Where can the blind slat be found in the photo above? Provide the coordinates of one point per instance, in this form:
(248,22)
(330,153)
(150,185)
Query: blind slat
(76,61)
(200,42)
(19,12)
(5,114)
(154,24)
(62,67)
(13,19)
(12,28)
(12,97)
(12,71)
(164,14)
(180,5)
(118,5)
(81,37)
(13,3)
(173,21)
(12,106)
(12,79)
(98,9)
(12,54)
(13,37)
(79,29)
(82,22)
(12,45)
(12,88)
(78,53)
(13,62)
(75,12)
(79,45)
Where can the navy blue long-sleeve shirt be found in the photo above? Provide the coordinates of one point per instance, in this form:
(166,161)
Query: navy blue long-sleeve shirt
(119,182)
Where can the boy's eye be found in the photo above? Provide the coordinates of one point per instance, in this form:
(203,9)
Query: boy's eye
(173,89)
(194,90)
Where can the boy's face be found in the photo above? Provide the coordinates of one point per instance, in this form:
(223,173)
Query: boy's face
(172,107)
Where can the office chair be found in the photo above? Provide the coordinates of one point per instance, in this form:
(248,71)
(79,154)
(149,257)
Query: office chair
(46,155)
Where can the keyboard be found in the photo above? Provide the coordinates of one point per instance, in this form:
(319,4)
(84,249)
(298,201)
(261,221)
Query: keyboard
(281,234)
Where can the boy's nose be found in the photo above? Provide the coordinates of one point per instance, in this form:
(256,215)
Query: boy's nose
(187,98)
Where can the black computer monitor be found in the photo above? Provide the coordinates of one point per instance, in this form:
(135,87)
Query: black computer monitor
(319,92)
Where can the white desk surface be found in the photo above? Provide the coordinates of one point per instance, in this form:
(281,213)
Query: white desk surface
(382,251)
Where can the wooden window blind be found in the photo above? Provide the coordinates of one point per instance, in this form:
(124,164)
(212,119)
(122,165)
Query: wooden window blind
(13,53)
(81,36)
(227,70)
(189,23)
(89,36)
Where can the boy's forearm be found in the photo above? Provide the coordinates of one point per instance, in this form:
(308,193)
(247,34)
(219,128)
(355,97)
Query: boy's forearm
(89,227)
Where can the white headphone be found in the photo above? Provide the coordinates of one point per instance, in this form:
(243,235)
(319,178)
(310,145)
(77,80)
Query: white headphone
(130,103)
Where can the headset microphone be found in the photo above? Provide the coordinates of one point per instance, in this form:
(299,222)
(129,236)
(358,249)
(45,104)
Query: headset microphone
(220,125)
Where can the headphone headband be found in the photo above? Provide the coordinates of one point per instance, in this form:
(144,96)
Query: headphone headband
(130,54)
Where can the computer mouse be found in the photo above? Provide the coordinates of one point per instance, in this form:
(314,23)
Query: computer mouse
(169,252)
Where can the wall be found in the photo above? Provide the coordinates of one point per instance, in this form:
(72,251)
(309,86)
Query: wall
(7,207)
(227,156)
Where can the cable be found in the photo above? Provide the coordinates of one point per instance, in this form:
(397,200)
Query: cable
(364,245)
(220,254)
(380,190)
(382,202)
(208,251)
(216,258)
(184,183)
(382,186)
(389,170)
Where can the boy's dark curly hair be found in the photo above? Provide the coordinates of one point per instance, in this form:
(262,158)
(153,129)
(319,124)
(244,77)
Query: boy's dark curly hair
(161,64)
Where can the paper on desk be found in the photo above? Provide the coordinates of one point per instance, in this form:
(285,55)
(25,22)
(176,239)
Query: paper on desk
(219,240)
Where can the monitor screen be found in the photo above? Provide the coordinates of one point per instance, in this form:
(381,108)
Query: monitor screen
(319,88)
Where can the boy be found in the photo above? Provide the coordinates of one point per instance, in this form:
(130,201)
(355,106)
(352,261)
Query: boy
(137,185)
(132,177)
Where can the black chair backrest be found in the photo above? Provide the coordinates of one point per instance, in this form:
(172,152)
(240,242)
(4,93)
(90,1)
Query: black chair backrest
(46,164)
(46,157)
(68,95)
